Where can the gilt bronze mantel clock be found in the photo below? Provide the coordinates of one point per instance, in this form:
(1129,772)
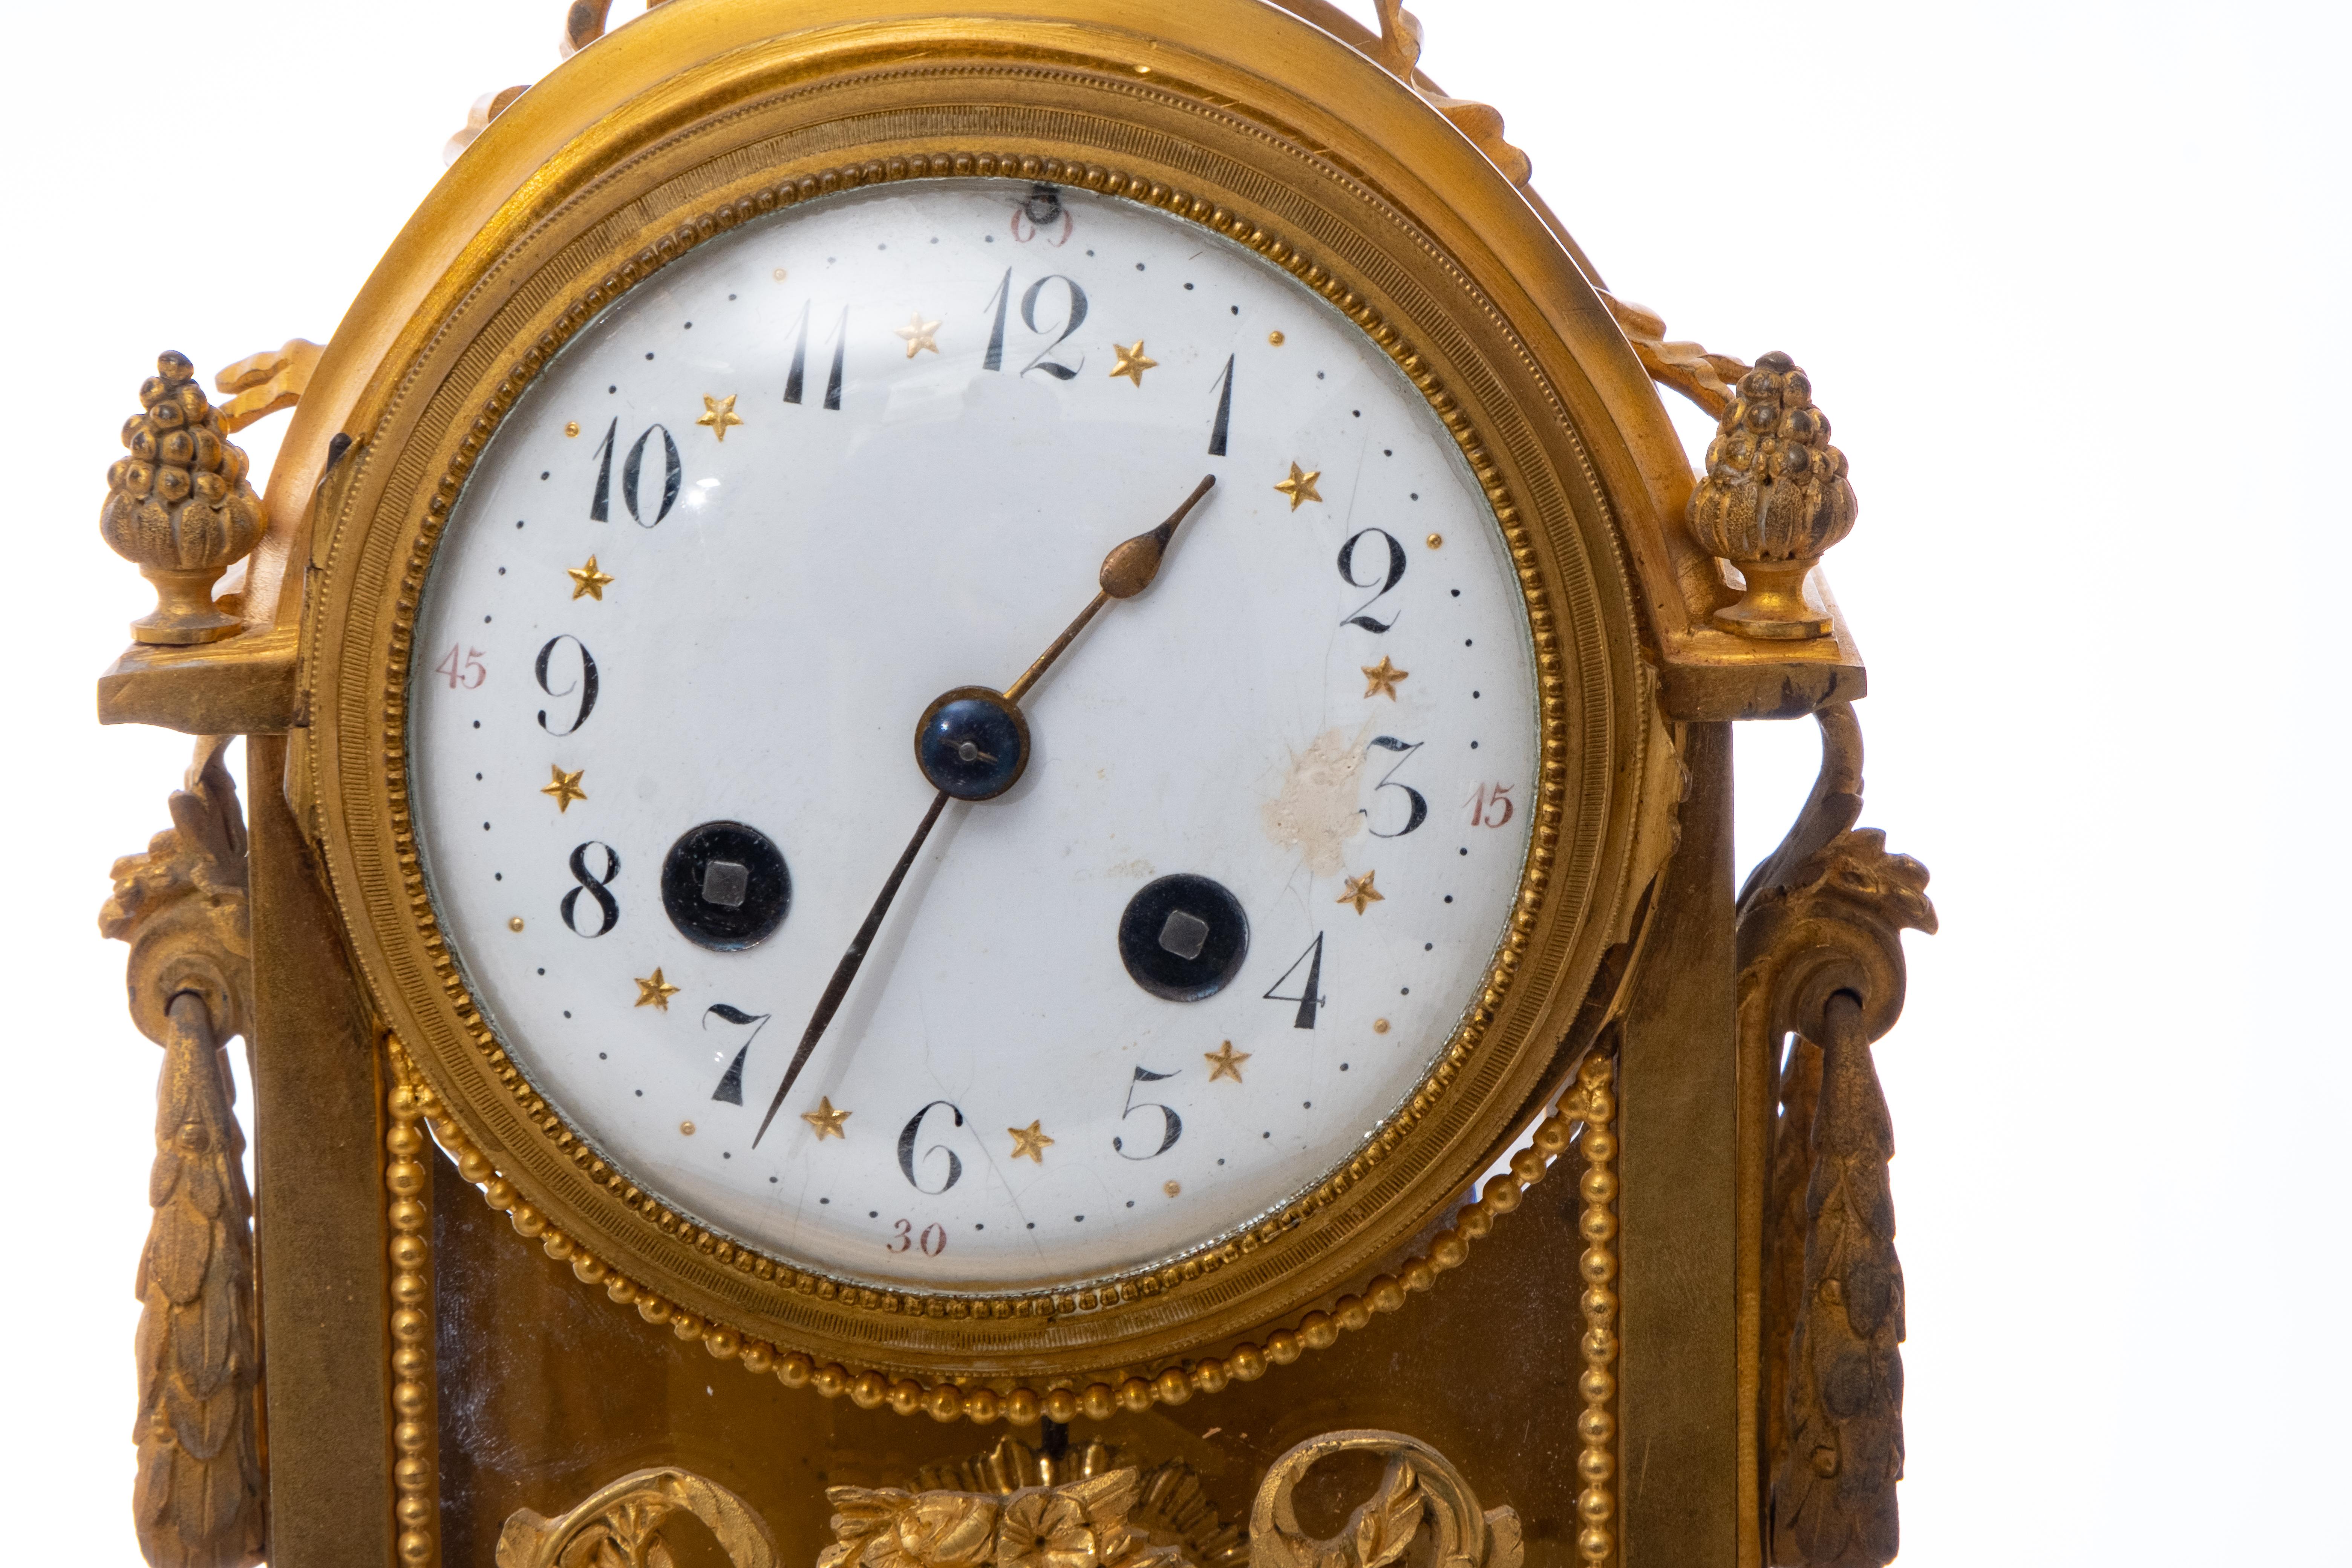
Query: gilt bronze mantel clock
(988,821)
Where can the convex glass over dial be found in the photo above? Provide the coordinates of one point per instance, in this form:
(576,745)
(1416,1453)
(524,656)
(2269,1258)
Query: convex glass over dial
(757,580)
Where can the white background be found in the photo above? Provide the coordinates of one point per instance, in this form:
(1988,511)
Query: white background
(2069,279)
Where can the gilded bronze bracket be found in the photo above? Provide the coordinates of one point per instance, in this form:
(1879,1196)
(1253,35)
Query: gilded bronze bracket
(198,1501)
(1821,958)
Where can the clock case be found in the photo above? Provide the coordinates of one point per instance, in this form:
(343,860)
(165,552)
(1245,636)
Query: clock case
(427,1377)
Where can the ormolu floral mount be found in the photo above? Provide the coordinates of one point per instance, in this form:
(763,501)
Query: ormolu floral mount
(1820,966)
(1082,1513)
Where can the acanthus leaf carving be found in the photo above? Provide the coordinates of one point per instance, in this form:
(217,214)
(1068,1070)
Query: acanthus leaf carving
(197,1499)
(620,1525)
(1821,955)
(1422,1512)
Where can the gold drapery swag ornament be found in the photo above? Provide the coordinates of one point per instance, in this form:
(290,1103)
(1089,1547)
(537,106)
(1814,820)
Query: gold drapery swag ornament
(1821,955)
(197,1501)
(179,506)
(1774,499)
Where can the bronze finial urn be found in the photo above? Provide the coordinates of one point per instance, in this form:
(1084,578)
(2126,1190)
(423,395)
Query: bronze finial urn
(179,506)
(1774,500)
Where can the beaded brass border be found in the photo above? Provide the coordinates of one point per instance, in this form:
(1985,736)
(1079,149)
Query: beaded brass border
(1113,1290)
(1590,1104)
(1594,734)
(1596,1425)
(414,1436)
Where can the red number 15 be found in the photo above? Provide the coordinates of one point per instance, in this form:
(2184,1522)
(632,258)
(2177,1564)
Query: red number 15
(1490,806)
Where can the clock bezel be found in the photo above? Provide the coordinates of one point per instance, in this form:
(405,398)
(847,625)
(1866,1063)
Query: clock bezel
(1216,144)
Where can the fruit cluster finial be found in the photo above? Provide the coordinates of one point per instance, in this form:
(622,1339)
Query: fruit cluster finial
(1774,500)
(179,505)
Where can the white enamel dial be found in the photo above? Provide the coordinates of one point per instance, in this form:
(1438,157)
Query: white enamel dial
(836,464)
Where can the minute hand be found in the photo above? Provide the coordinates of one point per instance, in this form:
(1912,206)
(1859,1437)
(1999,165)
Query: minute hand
(1126,570)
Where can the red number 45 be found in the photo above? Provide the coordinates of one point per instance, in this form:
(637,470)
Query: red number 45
(467,672)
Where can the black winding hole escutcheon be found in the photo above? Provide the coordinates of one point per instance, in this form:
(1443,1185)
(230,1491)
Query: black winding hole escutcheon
(725,886)
(1183,937)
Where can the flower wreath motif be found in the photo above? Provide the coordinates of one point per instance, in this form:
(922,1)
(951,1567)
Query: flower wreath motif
(1081,1525)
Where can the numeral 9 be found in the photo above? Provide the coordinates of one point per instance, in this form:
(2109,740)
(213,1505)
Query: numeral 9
(585,684)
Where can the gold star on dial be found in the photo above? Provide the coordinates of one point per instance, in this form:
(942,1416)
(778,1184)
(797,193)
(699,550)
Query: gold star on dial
(919,334)
(655,992)
(826,1121)
(1030,1143)
(1132,363)
(564,788)
(1361,892)
(1226,1062)
(1300,485)
(587,581)
(719,413)
(1383,677)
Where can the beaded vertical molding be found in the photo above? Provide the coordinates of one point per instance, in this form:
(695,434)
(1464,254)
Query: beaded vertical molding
(1596,1461)
(407,1181)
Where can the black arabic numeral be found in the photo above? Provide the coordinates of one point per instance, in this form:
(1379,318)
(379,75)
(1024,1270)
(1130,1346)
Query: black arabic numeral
(597,887)
(1417,804)
(1171,1126)
(840,347)
(1070,323)
(1311,996)
(730,1085)
(795,376)
(799,366)
(1394,575)
(913,1131)
(585,684)
(994,359)
(600,508)
(1224,410)
(632,468)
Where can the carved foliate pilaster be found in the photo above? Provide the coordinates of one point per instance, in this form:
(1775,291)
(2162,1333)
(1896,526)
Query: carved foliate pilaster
(1821,955)
(198,1501)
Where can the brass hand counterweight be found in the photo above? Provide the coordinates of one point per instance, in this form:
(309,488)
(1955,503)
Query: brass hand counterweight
(974,744)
